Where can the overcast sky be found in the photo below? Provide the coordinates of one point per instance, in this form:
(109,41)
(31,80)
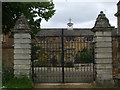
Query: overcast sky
(83,14)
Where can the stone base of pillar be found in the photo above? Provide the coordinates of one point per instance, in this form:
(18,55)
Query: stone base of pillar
(105,83)
(18,73)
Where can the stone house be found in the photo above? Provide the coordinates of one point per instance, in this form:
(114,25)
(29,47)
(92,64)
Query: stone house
(74,41)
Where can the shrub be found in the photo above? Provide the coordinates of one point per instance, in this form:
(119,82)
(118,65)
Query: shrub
(84,56)
(7,74)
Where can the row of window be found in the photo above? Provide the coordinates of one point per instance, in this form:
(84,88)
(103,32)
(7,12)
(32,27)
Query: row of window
(68,39)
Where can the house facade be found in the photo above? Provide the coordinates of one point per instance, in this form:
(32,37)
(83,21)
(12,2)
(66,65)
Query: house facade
(75,40)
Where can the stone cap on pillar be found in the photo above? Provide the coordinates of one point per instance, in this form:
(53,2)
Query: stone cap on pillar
(21,25)
(118,9)
(101,22)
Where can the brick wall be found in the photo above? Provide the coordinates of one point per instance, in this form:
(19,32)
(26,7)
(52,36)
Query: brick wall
(116,56)
(7,51)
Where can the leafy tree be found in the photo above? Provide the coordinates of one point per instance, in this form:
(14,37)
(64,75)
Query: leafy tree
(34,12)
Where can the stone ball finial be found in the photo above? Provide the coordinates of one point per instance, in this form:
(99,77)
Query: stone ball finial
(102,20)
(101,12)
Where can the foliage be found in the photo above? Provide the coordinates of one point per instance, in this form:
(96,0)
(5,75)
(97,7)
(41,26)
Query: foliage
(7,74)
(39,56)
(43,57)
(34,12)
(84,56)
(36,49)
(38,53)
(10,81)
(19,82)
(38,63)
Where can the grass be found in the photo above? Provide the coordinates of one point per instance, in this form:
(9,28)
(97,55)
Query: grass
(19,82)
(10,81)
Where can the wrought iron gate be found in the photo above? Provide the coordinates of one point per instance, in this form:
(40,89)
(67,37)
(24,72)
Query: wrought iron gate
(66,59)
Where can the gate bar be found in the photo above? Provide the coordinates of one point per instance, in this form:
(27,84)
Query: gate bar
(93,57)
(32,61)
(62,39)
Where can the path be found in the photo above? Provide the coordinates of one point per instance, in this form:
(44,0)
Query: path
(66,85)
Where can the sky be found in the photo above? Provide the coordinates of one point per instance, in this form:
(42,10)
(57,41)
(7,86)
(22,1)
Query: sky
(83,14)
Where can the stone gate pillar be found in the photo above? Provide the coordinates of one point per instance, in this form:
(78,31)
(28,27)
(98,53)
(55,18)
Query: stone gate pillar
(103,50)
(22,47)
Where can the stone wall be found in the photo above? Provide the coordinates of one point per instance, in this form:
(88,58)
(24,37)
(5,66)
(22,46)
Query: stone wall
(8,51)
(116,56)
(8,56)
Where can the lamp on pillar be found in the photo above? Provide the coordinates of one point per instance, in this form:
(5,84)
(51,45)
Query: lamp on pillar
(70,25)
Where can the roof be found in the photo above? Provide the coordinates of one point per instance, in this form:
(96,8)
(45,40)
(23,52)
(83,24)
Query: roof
(75,32)
(58,32)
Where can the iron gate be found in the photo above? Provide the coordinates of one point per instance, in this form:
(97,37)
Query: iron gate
(66,59)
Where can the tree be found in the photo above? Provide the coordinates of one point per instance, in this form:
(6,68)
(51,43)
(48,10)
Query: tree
(34,12)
